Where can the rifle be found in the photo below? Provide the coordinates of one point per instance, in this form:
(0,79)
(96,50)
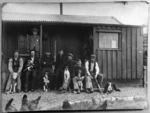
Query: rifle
(98,85)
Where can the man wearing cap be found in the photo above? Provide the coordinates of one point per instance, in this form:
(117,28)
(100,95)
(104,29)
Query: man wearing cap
(70,63)
(34,41)
(78,69)
(15,65)
(32,67)
(47,64)
(93,74)
(60,62)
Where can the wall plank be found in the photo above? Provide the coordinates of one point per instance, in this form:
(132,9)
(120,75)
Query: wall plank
(134,46)
(124,52)
(105,64)
(109,58)
(114,65)
(139,54)
(129,39)
(119,65)
(100,60)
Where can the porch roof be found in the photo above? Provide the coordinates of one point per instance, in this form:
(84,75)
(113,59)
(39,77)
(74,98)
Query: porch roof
(27,17)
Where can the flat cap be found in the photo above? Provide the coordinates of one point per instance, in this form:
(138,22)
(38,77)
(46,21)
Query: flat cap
(35,29)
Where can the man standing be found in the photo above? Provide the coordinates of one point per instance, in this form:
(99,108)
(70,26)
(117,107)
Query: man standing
(93,74)
(60,61)
(34,42)
(47,64)
(79,69)
(32,67)
(15,65)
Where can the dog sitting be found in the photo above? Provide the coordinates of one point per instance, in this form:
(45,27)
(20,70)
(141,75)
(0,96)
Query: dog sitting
(31,105)
(9,107)
(80,79)
(110,87)
(13,83)
(46,82)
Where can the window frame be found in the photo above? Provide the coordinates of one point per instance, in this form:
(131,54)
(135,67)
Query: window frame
(119,39)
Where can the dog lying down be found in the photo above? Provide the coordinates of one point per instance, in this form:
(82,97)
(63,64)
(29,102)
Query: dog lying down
(110,87)
(27,105)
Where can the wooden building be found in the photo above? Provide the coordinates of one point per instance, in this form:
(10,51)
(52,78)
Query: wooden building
(118,47)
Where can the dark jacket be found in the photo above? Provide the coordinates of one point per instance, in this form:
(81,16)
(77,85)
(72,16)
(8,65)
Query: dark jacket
(60,61)
(71,65)
(36,63)
(47,61)
(76,70)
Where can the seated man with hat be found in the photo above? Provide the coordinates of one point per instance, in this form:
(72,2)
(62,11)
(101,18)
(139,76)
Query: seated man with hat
(93,74)
(70,63)
(79,74)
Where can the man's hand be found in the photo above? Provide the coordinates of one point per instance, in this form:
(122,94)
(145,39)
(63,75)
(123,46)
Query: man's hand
(90,76)
(29,68)
(95,76)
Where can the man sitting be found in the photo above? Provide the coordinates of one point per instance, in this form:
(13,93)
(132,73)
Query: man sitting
(93,74)
(79,74)
(32,68)
(15,65)
(47,67)
(70,63)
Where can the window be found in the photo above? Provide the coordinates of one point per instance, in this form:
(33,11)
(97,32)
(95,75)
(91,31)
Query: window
(108,40)
(22,44)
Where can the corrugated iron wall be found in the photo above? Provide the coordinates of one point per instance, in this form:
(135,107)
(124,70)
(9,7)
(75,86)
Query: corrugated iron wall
(127,62)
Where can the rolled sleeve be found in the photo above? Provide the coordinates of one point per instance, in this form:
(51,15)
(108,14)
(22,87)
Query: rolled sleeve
(97,68)
(87,68)
(10,66)
(21,65)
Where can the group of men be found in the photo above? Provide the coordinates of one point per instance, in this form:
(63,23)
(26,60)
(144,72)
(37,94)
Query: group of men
(65,74)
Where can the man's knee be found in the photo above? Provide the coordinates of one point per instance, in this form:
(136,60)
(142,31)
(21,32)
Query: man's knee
(87,78)
(100,76)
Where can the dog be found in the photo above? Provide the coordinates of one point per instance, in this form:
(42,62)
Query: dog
(31,105)
(110,87)
(46,82)
(80,80)
(13,83)
(9,107)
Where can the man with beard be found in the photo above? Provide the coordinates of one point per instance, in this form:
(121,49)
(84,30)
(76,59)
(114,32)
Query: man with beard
(47,64)
(93,74)
(15,65)
(32,67)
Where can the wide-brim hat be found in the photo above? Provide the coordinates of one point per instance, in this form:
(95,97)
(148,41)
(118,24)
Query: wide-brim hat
(70,54)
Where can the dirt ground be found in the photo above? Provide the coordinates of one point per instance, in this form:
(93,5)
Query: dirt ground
(53,98)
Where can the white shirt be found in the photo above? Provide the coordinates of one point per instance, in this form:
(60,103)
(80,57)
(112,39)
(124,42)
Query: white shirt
(92,66)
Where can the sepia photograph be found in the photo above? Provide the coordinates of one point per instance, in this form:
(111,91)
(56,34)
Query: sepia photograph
(74,55)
